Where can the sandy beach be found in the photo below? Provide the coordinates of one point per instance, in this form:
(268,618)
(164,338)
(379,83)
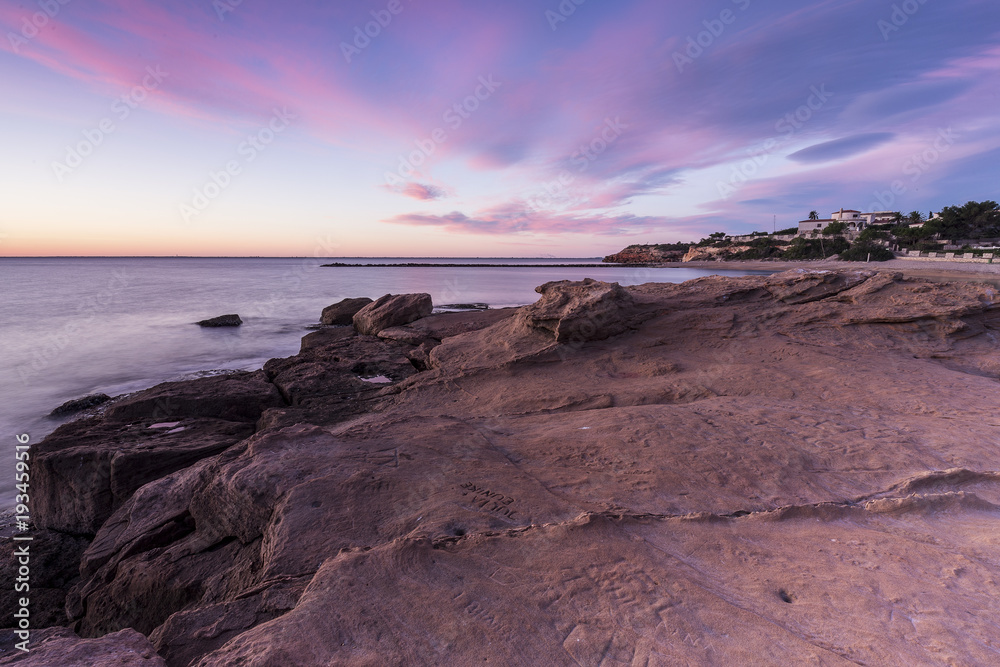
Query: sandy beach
(936,271)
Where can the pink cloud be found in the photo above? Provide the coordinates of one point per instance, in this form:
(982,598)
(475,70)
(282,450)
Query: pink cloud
(515,218)
(217,75)
(419,191)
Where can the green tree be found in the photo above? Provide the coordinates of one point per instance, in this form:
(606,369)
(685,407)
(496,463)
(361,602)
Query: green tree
(802,248)
(914,217)
(873,234)
(835,227)
(973,220)
(763,247)
(712,239)
(861,251)
(813,215)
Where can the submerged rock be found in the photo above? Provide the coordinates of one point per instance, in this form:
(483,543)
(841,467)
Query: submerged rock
(342,313)
(80,404)
(222,321)
(392,310)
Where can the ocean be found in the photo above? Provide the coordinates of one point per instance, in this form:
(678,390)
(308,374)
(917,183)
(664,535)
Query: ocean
(70,327)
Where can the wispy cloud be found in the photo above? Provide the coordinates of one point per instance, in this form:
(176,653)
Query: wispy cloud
(841,148)
(420,191)
(518,220)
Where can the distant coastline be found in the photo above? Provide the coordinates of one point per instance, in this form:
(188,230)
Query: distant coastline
(473,266)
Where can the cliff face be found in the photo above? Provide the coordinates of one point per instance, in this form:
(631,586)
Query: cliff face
(696,253)
(644,254)
(738,468)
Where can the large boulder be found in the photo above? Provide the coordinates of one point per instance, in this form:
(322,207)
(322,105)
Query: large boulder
(580,311)
(392,310)
(342,313)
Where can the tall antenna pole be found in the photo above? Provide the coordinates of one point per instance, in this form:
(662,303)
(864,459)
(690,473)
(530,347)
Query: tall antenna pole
(774,225)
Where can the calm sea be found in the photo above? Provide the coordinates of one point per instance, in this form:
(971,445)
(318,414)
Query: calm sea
(76,326)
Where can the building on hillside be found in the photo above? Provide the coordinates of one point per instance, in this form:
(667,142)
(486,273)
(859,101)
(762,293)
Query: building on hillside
(881,217)
(855,220)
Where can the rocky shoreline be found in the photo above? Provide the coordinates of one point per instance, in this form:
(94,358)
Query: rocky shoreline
(941,270)
(769,469)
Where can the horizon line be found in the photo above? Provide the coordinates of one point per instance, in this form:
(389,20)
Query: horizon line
(283,257)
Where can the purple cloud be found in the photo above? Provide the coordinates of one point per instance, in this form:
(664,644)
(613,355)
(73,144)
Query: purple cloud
(514,219)
(841,148)
(420,191)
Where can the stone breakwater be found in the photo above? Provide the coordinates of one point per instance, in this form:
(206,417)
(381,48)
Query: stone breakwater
(786,469)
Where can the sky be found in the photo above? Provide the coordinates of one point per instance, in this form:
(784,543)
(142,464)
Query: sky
(564,128)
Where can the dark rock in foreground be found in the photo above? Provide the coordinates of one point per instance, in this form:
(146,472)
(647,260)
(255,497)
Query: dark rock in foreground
(728,471)
(54,563)
(222,321)
(342,313)
(85,469)
(392,310)
(80,404)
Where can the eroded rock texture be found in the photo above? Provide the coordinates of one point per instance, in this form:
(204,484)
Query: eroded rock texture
(789,469)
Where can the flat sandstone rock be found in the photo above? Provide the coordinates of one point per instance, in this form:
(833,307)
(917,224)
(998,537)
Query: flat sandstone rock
(771,470)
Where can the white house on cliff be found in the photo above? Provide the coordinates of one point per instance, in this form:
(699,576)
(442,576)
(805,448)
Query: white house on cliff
(856,220)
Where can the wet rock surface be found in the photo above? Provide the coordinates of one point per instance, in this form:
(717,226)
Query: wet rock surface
(80,404)
(727,471)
